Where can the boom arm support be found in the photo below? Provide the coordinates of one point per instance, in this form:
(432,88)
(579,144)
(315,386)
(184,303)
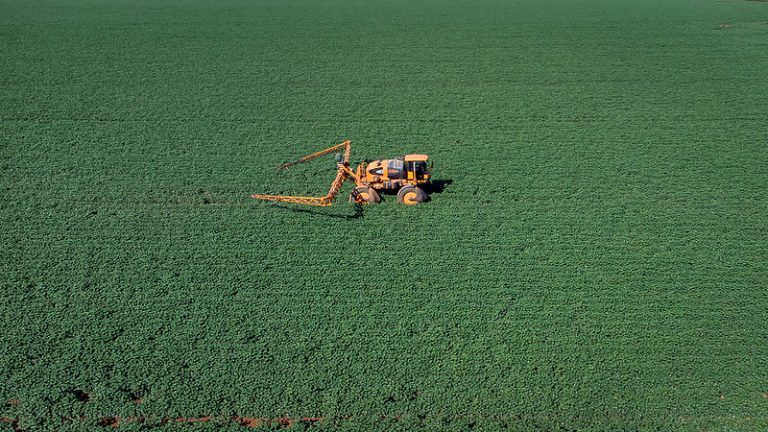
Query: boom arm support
(343,174)
(346,144)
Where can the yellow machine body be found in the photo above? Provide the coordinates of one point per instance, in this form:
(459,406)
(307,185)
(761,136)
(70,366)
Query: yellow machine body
(390,174)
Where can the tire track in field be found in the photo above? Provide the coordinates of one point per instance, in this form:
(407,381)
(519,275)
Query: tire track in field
(115,422)
(150,421)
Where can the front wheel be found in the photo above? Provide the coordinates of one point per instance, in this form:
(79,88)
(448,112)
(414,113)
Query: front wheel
(364,195)
(411,195)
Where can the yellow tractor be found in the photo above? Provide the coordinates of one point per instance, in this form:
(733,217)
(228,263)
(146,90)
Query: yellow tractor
(407,174)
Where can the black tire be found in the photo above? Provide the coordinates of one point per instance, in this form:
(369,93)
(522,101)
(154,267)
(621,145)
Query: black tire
(364,195)
(411,195)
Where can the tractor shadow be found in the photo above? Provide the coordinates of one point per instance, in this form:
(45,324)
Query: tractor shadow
(437,186)
(358,212)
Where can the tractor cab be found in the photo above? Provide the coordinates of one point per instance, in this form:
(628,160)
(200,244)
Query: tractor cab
(416,167)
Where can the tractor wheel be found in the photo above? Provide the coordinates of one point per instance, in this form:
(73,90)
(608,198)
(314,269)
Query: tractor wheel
(411,195)
(364,195)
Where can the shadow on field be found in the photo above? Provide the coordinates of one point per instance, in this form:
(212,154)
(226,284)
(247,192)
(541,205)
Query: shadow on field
(356,215)
(437,186)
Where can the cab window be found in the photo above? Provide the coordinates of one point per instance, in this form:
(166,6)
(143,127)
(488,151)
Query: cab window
(396,168)
(421,168)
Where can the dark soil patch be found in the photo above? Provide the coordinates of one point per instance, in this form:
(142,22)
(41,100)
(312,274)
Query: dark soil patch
(80,395)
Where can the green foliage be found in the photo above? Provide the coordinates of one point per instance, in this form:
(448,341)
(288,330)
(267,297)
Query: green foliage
(596,260)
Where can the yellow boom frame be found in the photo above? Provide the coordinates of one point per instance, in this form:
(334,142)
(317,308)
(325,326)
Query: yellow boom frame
(344,173)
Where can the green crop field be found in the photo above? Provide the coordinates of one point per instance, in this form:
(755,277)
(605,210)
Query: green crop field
(595,259)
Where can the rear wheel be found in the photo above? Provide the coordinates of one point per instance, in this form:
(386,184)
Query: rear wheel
(411,195)
(364,195)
